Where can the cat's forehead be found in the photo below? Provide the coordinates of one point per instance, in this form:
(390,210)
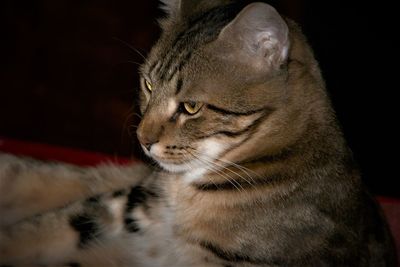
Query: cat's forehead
(181,43)
(185,78)
(198,73)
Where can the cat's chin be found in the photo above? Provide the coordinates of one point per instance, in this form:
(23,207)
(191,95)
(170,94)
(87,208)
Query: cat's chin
(189,172)
(176,168)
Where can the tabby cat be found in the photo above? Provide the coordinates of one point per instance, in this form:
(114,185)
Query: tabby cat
(254,170)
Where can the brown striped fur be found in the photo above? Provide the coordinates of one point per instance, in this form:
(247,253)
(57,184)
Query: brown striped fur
(260,175)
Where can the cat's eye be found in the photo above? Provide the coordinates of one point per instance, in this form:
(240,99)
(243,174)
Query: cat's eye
(192,107)
(148,85)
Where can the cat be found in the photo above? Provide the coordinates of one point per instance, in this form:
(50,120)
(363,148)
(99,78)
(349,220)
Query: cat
(253,168)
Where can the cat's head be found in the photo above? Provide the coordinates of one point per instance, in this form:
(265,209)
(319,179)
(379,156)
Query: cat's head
(212,83)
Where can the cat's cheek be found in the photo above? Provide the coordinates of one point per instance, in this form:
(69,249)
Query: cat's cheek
(212,148)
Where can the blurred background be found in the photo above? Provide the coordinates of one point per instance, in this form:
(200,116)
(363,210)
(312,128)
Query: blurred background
(68,73)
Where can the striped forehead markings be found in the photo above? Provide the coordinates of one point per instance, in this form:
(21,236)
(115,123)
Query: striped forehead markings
(178,86)
(201,30)
(174,62)
(154,67)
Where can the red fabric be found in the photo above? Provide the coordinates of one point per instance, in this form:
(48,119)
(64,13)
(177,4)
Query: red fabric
(391,206)
(50,152)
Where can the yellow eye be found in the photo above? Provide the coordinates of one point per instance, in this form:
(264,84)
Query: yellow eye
(148,85)
(192,107)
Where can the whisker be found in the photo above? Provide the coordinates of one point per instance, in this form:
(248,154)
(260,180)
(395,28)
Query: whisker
(132,130)
(210,159)
(242,168)
(217,170)
(208,167)
(132,62)
(128,117)
(187,164)
(131,47)
(125,126)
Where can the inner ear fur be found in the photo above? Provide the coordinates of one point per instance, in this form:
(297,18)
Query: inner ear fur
(258,36)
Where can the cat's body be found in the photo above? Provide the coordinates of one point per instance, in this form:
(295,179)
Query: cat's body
(257,171)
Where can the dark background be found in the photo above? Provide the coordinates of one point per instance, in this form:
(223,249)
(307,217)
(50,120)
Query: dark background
(69,73)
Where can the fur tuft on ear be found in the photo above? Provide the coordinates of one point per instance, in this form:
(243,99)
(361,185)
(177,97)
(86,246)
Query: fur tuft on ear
(258,35)
(188,8)
(171,7)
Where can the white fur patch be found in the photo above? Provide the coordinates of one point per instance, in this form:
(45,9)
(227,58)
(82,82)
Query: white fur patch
(116,208)
(208,151)
(212,148)
(194,175)
(176,167)
(171,107)
(156,150)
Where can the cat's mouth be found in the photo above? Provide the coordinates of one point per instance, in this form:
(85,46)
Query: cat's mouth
(187,159)
(172,162)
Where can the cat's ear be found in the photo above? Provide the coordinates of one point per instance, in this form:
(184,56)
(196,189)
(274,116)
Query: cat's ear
(258,36)
(187,8)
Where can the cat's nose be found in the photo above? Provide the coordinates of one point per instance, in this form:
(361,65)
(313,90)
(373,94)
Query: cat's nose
(146,140)
(149,131)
